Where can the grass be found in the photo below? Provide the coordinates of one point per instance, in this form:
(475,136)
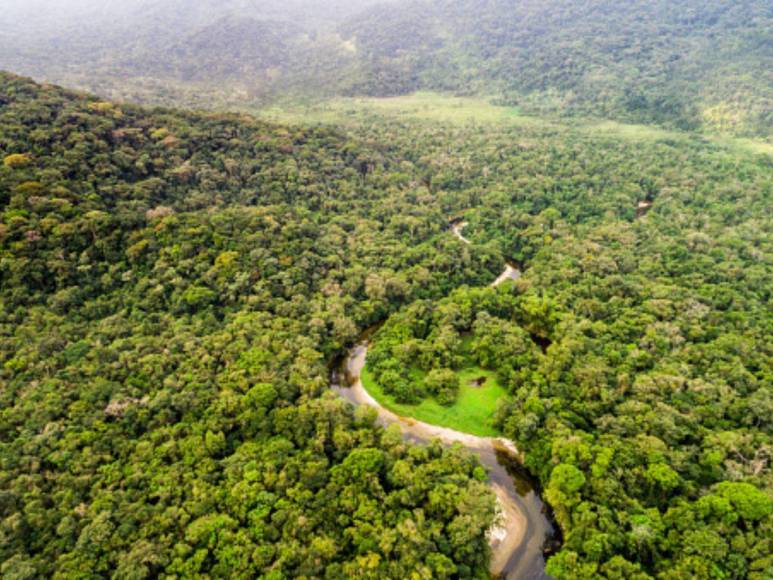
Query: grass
(631,132)
(429,107)
(472,413)
(421,106)
(627,131)
(444,108)
(755,146)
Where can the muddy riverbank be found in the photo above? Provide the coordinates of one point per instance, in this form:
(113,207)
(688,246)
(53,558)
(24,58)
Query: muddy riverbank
(524,532)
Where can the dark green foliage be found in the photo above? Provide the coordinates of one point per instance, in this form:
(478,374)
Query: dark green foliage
(173,287)
(174,284)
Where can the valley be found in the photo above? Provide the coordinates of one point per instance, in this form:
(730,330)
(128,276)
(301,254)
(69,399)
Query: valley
(523,533)
(449,289)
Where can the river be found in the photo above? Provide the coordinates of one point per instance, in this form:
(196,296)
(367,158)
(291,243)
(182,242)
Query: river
(519,539)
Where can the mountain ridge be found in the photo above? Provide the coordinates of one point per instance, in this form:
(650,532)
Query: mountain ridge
(693,66)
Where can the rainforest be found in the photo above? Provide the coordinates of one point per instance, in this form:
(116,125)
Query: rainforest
(417,289)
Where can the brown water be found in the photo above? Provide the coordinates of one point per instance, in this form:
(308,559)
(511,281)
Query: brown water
(518,542)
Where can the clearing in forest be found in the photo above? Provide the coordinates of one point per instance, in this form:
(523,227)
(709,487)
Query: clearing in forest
(473,411)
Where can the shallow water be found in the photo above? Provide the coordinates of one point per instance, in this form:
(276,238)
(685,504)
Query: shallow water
(518,543)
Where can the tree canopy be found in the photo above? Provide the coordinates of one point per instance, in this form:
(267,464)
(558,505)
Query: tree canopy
(175,285)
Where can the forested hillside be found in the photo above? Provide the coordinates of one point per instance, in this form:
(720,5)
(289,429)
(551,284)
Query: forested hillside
(199,53)
(689,65)
(174,286)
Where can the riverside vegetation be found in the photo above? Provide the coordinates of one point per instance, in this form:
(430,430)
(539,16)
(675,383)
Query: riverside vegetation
(174,286)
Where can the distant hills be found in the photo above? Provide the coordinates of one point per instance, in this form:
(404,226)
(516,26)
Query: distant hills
(230,48)
(690,65)
(687,64)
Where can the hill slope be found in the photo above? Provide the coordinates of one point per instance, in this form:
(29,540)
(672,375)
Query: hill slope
(692,64)
(173,287)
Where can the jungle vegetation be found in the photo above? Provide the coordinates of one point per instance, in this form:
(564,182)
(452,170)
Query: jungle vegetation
(694,65)
(174,286)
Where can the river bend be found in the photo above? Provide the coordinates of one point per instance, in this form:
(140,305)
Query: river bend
(517,542)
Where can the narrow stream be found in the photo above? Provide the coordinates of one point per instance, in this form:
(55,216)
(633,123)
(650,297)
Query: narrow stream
(519,540)
(456,229)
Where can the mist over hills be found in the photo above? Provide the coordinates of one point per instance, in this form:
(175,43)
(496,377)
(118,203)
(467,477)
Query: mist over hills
(195,53)
(692,65)
(686,64)
(536,226)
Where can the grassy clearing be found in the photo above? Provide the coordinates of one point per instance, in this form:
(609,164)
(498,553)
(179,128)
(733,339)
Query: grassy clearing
(629,132)
(436,107)
(472,413)
(751,145)
(651,133)
(421,106)
(428,107)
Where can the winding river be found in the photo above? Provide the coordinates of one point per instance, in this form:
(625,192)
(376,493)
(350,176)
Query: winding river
(519,539)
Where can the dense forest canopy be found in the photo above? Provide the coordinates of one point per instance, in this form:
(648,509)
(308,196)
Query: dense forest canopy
(690,65)
(177,286)
(174,286)
(653,296)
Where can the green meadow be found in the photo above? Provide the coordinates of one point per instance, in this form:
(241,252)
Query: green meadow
(428,107)
(472,413)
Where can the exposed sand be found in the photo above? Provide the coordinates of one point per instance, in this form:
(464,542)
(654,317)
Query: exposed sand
(516,539)
(510,273)
(457,228)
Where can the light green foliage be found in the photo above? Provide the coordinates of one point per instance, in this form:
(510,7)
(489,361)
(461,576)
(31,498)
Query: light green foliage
(751,503)
(421,107)
(562,492)
(169,308)
(443,384)
(472,412)
(170,301)
(16,160)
